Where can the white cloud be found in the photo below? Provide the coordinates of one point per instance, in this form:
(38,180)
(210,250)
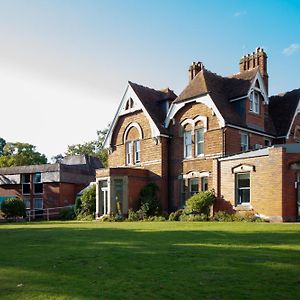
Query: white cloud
(291,49)
(239,14)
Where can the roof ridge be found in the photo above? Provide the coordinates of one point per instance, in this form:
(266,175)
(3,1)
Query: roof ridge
(145,87)
(232,76)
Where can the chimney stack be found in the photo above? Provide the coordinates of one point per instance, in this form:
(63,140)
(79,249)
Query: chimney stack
(194,69)
(254,60)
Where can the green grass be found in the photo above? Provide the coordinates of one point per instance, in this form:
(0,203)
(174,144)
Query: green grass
(167,260)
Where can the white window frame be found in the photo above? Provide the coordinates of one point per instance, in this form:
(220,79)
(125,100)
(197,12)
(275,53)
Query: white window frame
(198,142)
(254,102)
(244,143)
(128,152)
(137,151)
(237,188)
(187,147)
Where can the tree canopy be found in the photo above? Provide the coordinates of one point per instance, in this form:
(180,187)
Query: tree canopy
(93,148)
(19,154)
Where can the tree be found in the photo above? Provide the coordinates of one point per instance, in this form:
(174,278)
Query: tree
(92,148)
(20,154)
(57,158)
(2,144)
(13,207)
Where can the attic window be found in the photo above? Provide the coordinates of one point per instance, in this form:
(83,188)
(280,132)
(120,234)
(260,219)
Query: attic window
(129,104)
(254,102)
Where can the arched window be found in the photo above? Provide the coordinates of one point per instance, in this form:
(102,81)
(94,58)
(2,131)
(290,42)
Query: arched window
(129,104)
(132,139)
(194,127)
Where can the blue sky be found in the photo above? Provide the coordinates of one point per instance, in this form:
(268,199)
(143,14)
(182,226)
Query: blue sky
(64,64)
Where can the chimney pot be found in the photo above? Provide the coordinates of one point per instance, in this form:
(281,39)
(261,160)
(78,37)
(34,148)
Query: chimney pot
(194,69)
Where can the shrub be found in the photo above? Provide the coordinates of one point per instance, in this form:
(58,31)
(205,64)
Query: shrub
(174,216)
(78,206)
(199,203)
(156,219)
(149,203)
(222,216)
(193,218)
(13,207)
(132,215)
(88,201)
(67,213)
(108,218)
(249,216)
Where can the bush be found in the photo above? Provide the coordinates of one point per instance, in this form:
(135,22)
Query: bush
(88,201)
(149,203)
(132,216)
(249,216)
(84,217)
(200,203)
(108,218)
(13,207)
(78,206)
(222,216)
(156,219)
(193,218)
(175,216)
(67,213)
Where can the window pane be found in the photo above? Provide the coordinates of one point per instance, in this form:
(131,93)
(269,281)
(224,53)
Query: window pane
(204,184)
(26,188)
(194,186)
(37,177)
(244,196)
(136,146)
(25,178)
(243,180)
(128,153)
(38,203)
(243,188)
(199,141)
(188,143)
(38,188)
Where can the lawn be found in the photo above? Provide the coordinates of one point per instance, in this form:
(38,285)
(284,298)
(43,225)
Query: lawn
(141,260)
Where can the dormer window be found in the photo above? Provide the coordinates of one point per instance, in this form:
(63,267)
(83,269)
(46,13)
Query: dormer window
(254,102)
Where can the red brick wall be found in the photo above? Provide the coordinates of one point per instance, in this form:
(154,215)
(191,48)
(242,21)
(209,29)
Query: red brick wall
(213,145)
(289,193)
(253,118)
(233,140)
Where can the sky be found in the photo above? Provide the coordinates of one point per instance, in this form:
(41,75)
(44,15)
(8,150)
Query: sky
(64,64)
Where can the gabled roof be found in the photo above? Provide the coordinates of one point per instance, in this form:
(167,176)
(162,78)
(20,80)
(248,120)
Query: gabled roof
(151,99)
(221,90)
(282,109)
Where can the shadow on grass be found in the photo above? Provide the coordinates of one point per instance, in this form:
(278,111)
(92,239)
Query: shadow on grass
(128,263)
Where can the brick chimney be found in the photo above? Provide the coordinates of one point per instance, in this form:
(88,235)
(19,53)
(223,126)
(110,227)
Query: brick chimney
(194,69)
(253,60)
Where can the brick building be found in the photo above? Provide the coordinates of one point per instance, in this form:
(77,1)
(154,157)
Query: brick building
(49,185)
(221,133)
